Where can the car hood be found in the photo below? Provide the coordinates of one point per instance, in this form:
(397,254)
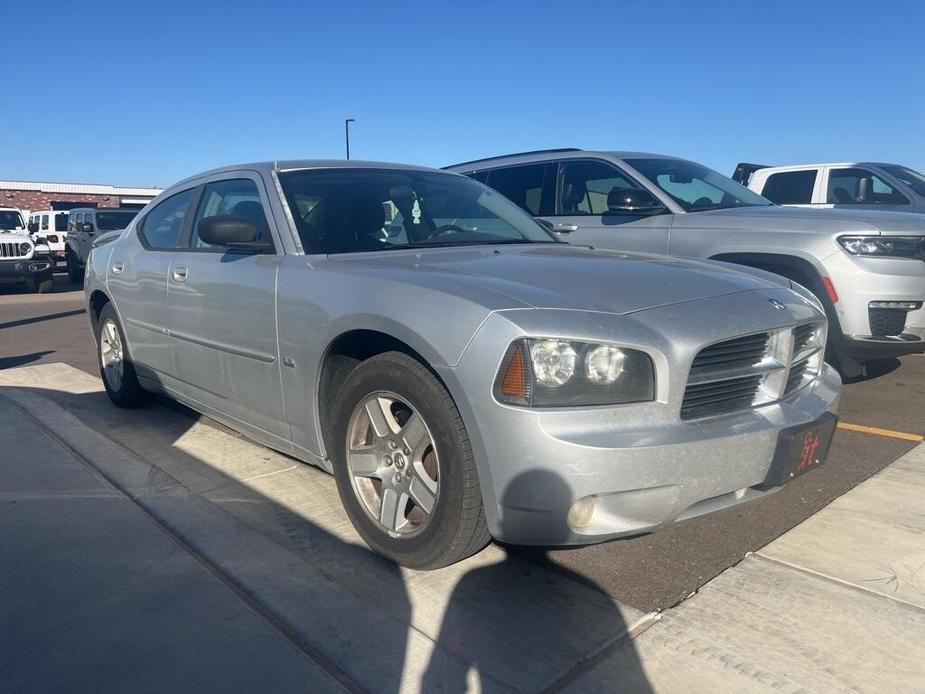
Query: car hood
(15,235)
(823,221)
(556,276)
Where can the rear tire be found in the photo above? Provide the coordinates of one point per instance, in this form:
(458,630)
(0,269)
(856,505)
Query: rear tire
(116,368)
(372,426)
(74,273)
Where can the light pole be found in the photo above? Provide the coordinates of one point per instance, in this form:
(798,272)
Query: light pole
(347,122)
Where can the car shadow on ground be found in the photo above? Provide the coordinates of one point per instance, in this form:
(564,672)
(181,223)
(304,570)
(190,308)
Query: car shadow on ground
(477,624)
(23,359)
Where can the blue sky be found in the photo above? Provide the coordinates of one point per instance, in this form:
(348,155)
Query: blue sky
(147,93)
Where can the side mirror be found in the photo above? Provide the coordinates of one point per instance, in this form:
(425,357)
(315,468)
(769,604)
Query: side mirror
(632,201)
(232,232)
(546,224)
(88,227)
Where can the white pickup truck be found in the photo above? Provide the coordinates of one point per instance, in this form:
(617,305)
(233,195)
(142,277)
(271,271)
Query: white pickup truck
(852,185)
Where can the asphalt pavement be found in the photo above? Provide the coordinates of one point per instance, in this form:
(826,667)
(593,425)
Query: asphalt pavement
(651,572)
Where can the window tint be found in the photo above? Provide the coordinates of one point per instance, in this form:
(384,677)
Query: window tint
(910,177)
(694,187)
(528,186)
(61,221)
(790,187)
(236,198)
(357,210)
(161,227)
(586,186)
(113,221)
(44,222)
(861,187)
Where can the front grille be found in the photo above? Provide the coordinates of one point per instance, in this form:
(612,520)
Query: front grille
(10,249)
(802,334)
(742,351)
(795,377)
(705,399)
(753,370)
(886,321)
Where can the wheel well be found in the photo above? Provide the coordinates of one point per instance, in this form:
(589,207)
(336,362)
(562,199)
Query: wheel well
(97,301)
(344,354)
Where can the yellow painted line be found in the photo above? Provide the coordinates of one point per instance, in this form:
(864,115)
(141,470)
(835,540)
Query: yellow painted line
(877,431)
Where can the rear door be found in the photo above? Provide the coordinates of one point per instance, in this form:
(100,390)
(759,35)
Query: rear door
(582,212)
(137,278)
(222,311)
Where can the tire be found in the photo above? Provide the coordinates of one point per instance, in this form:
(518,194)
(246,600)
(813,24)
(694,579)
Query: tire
(433,453)
(113,360)
(44,286)
(74,273)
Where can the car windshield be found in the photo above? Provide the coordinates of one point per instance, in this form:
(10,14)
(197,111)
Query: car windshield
(356,210)
(910,177)
(11,219)
(694,187)
(112,221)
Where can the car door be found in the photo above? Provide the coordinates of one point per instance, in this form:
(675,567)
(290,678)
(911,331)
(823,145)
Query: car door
(582,215)
(222,311)
(857,187)
(137,279)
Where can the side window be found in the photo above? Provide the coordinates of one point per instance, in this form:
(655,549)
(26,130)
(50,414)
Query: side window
(790,187)
(530,187)
(44,222)
(61,221)
(586,185)
(236,197)
(861,187)
(162,225)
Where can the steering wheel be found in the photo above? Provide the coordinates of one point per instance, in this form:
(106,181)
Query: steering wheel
(446,230)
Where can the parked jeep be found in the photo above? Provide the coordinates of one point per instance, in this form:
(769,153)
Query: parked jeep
(851,185)
(22,260)
(865,267)
(84,223)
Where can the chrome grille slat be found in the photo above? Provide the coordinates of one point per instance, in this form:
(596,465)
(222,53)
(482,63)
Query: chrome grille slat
(748,371)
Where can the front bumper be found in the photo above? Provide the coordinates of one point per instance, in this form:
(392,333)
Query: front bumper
(859,281)
(15,271)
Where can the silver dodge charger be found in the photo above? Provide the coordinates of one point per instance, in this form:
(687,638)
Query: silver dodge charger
(462,373)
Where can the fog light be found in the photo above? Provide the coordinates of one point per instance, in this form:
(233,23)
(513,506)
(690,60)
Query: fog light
(907,305)
(580,513)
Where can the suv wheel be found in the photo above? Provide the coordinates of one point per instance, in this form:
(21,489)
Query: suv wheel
(44,286)
(74,272)
(404,466)
(116,367)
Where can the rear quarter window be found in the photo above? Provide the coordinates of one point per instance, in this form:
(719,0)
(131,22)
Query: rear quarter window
(790,187)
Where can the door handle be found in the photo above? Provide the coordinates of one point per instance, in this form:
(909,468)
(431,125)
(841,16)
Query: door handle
(180,273)
(566,228)
(117,268)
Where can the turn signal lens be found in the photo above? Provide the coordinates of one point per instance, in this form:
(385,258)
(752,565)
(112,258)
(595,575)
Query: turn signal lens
(514,375)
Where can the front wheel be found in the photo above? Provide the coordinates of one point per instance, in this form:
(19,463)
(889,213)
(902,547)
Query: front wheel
(404,466)
(116,367)
(44,286)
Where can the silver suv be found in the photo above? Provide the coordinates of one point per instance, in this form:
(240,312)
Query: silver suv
(867,268)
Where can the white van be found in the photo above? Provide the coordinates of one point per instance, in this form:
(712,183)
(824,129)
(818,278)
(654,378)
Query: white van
(51,225)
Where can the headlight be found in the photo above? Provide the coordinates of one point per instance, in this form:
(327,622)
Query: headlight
(884,246)
(556,373)
(24,248)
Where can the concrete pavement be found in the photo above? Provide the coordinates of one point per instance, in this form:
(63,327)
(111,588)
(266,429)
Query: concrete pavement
(197,529)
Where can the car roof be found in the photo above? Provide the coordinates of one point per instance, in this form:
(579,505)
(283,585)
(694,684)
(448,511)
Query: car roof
(547,154)
(266,167)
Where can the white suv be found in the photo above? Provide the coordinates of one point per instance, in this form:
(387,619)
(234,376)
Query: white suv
(50,225)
